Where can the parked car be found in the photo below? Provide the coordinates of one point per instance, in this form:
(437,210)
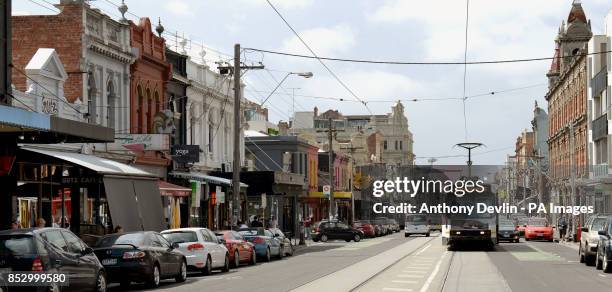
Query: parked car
(395,227)
(240,250)
(266,244)
(143,256)
(366,227)
(382,224)
(386,223)
(604,248)
(52,250)
(538,228)
(435,222)
(286,244)
(521,223)
(335,230)
(416,224)
(507,232)
(589,239)
(201,248)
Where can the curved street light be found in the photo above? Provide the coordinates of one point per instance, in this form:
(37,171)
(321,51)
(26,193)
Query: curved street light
(301,74)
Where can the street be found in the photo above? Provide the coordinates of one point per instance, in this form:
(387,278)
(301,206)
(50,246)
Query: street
(395,263)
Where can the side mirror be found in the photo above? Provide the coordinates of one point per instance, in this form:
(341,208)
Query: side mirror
(175,245)
(222,241)
(584,229)
(87,250)
(602,232)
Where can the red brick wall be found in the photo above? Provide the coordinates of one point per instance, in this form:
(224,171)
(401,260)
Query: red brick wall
(61,32)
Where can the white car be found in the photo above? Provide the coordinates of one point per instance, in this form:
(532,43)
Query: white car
(590,239)
(416,224)
(201,247)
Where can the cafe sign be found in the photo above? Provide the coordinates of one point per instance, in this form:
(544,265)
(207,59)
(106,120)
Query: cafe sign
(185,153)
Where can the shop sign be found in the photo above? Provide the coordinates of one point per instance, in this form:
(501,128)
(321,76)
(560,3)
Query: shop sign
(326,191)
(144,142)
(76,180)
(185,153)
(218,192)
(221,197)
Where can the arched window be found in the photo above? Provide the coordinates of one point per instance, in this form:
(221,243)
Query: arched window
(111,105)
(149,122)
(91,96)
(140,110)
(157,103)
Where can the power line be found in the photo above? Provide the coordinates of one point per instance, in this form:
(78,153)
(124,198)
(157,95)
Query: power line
(424,63)
(317,57)
(21,102)
(463,155)
(54,10)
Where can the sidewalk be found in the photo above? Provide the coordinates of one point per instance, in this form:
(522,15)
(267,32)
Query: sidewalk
(571,244)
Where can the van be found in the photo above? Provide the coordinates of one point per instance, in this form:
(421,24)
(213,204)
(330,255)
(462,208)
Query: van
(416,224)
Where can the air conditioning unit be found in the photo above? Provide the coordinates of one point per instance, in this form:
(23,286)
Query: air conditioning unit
(226,167)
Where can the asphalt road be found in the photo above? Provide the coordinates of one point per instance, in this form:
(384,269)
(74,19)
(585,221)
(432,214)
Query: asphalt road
(395,263)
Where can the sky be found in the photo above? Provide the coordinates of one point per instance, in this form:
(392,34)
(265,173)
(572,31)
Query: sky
(396,30)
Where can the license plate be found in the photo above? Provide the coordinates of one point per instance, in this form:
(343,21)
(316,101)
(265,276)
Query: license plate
(506,235)
(540,234)
(108,262)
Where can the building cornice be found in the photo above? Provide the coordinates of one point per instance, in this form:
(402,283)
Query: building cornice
(111,53)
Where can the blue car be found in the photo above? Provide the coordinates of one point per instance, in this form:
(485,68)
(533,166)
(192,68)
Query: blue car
(265,243)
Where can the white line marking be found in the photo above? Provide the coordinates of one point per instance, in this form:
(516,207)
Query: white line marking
(413,271)
(396,289)
(404,282)
(422,250)
(410,276)
(425,287)
(416,268)
(602,275)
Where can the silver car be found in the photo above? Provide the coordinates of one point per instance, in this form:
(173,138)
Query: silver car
(416,224)
(590,238)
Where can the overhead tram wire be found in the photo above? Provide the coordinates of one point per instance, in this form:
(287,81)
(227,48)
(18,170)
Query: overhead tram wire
(319,59)
(467,21)
(522,60)
(54,10)
(463,155)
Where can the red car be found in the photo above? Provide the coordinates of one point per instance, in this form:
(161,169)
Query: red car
(365,227)
(538,228)
(240,250)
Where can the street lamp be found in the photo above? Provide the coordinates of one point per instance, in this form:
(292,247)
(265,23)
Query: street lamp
(301,74)
(469,146)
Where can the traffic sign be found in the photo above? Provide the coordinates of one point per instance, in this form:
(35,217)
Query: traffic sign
(326,190)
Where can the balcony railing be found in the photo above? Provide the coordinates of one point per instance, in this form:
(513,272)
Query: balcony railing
(600,81)
(600,127)
(600,170)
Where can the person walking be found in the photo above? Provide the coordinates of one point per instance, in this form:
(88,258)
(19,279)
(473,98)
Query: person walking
(307,224)
(562,228)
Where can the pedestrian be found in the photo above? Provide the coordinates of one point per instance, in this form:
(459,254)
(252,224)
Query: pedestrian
(562,228)
(118,229)
(307,224)
(255,222)
(40,222)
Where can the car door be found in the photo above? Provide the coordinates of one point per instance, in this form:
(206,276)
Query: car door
(63,261)
(344,232)
(158,251)
(219,248)
(274,242)
(210,241)
(243,246)
(173,256)
(86,264)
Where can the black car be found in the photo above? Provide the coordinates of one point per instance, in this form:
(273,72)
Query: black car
(326,230)
(604,248)
(507,232)
(52,250)
(140,257)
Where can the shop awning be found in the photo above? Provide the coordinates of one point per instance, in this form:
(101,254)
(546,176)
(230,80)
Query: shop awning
(206,178)
(95,163)
(168,189)
(337,195)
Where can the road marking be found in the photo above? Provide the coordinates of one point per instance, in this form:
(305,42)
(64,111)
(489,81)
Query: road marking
(425,287)
(602,275)
(404,282)
(396,289)
(422,250)
(421,264)
(410,276)
(416,268)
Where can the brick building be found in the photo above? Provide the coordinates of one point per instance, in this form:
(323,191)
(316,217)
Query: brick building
(567,108)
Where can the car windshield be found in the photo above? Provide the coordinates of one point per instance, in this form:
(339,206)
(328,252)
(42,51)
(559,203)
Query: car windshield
(16,245)
(506,224)
(598,224)
(416,219)
(538,222)
(136,239)
(180,236)
(469,224)
(251,232)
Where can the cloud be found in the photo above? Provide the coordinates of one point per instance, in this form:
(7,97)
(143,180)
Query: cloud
(324,41)
(20,13)
(283,4)
(178,7)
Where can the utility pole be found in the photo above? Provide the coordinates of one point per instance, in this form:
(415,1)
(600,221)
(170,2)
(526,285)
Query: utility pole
(330,136)
(351,151)
(236,70)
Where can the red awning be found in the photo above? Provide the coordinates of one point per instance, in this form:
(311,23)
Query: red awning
(168,189)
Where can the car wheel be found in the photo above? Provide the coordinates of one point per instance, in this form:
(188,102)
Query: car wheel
(281,253)
(182,275)
(267,257)
(207,270)
(357,238)
(605,266)
(236,259)
(581,254)
(427,234)
(101,283)
(324,238)
(226,266)
(253,260)
(315,239)
(598,263)
(290,253)
(155,277)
